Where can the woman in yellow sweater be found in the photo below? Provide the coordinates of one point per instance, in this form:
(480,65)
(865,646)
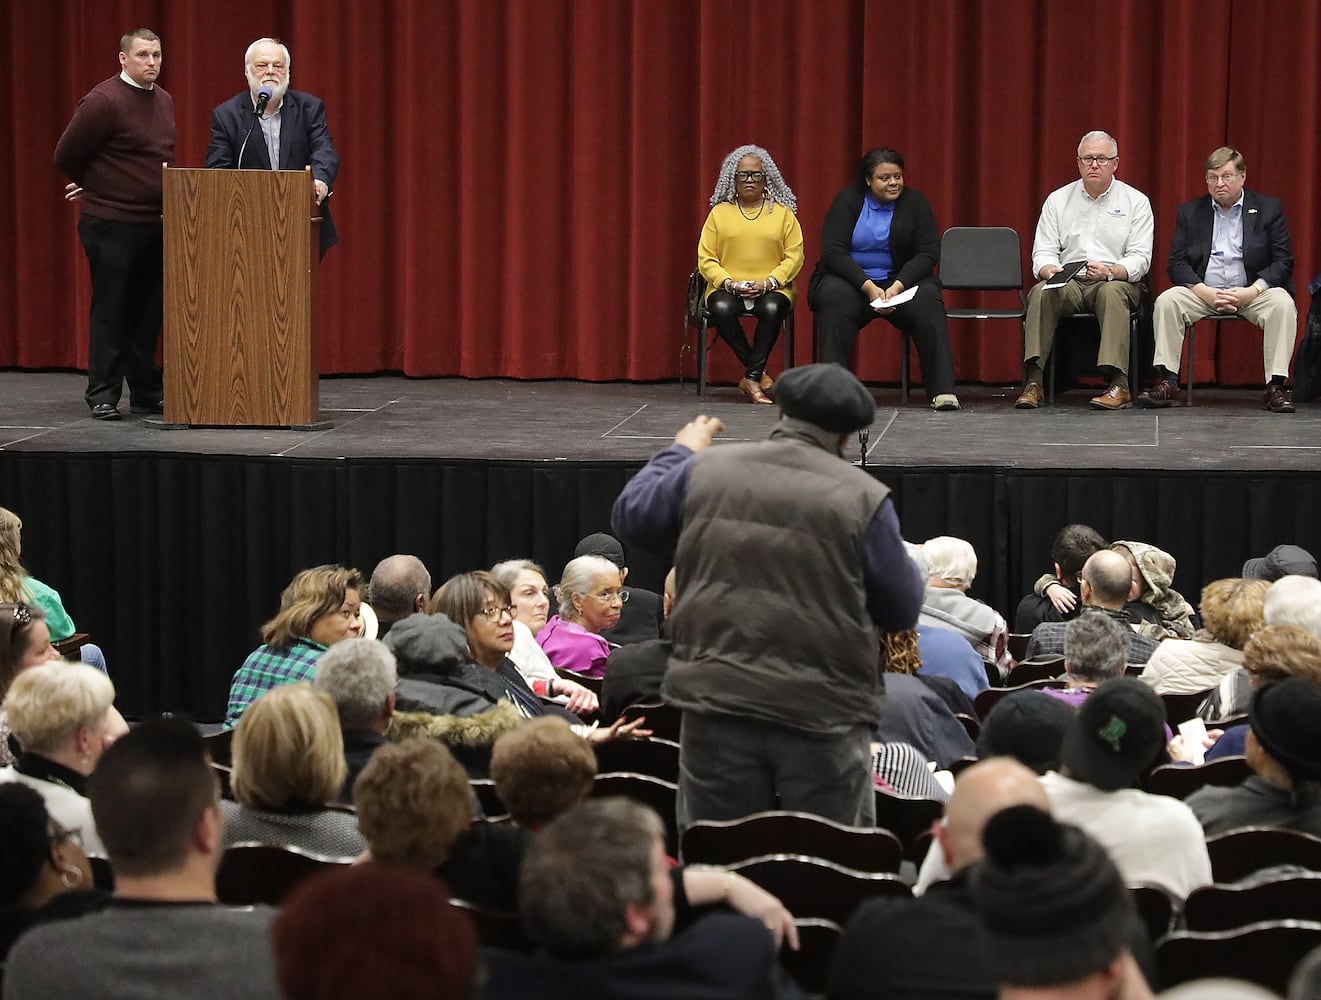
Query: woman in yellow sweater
(750,252)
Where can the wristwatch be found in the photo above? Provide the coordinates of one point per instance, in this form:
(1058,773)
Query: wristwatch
(1110,274)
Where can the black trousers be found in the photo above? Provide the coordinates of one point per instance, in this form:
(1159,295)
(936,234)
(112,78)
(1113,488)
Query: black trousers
(125,259)
(842,310)
(770,310)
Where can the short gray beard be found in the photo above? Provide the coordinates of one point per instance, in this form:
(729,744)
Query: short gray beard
(277,93)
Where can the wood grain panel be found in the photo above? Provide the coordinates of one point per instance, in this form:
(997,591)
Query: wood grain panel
(240,298)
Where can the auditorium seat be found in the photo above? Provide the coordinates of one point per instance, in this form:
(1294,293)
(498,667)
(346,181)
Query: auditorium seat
(814,887)
(725,842)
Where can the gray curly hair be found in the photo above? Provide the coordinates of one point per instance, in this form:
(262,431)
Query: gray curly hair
(776,188)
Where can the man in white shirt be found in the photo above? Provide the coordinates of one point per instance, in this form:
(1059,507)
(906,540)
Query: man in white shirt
(1230,255)
(1109,225)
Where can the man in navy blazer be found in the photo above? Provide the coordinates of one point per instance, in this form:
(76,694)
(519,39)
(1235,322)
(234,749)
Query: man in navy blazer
(1230,255)
(290,134)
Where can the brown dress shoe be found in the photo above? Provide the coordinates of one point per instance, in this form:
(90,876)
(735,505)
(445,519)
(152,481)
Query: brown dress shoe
(1160,395)
(1276,399)
(1114,398)
(1029,398)
(766,382)
(753,391)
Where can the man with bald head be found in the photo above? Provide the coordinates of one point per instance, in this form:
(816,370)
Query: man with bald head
(400,586)
(887,948)
(1104,585)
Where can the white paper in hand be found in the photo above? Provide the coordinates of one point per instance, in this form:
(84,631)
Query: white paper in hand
(906,295)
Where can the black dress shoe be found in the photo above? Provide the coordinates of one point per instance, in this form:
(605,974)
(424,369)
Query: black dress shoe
(153,406)
(106,411)
(1276,399)
(1162,394)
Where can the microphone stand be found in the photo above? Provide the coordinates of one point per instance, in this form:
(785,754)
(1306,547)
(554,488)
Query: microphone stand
(256,116)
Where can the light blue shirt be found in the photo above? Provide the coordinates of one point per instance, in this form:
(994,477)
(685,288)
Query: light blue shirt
(1225,268)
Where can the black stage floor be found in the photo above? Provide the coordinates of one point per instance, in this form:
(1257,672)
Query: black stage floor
(506,420)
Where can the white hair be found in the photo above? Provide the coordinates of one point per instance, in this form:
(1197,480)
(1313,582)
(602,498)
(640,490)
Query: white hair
(951,559)
(47,704)
(359,677)
(577,579)
(1098,134)
(1294,600)
(288,59)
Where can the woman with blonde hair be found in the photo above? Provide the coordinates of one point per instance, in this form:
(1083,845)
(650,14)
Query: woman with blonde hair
(63,716)
(288,763)
(750,252)
(320,607)
(1232,610)
(17,587)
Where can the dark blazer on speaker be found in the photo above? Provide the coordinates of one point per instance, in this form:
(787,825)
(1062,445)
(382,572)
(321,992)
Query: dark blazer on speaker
(304,141)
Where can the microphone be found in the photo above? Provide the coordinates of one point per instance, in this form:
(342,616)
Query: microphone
(263,98)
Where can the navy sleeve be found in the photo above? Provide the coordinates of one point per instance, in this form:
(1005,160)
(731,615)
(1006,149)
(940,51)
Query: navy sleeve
(894,584)
(648,512)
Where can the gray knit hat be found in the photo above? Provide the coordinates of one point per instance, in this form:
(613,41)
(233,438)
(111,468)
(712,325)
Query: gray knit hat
(1050,900)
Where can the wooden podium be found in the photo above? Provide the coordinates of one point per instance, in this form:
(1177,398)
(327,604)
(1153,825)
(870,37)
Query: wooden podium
(241,260)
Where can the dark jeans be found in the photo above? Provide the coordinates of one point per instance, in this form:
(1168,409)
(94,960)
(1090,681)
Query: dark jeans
(842,310)
(770,310)
(730,767)
(125,259)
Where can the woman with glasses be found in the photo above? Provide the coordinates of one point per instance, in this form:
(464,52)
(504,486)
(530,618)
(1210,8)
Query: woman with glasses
(879,240)
(750,252)
(529,596)
(44,874)
(591,596)
(63,716)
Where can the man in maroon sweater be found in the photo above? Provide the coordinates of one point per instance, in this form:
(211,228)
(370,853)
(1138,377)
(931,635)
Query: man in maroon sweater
(112,151)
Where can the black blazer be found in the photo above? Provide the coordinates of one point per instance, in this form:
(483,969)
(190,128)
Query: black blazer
(914,239)
(1266,252)
(304,141)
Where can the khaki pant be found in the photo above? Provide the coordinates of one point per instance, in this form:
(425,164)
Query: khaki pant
(1273,311)
(1112,301)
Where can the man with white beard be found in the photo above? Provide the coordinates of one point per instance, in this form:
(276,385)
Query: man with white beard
(286,131)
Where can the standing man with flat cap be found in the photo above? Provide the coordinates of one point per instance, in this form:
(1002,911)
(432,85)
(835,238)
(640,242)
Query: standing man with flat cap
(788,559)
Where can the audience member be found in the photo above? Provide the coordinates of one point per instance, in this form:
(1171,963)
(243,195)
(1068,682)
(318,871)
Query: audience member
(951,567)
(642,616)
(319,608)
(413,800)
(1115,740)
(1273,653)
(1054,597)
(164,935)
(16,586)
(360,677)
(1056,916)
(1283,560)
(374,931)
(62,714)
(481,605)
(946,654)
(1106,580)
(399,587)
(591,598)
(1294,600)
(24,642)
(598,898)
(1095,650)
(1158,609)
(1284,752)
(288,763)
(44,874)
(779,708)
(1231,612)
(888,947)
(542,769)
(370,930)
(914,713)
(1107,225)
(1027,726)
(529,596)
(634,673)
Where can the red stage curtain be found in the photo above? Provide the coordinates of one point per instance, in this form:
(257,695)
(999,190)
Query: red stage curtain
(524,181)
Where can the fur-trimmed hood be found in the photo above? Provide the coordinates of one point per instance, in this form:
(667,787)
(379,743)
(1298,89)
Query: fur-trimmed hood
(456,730)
